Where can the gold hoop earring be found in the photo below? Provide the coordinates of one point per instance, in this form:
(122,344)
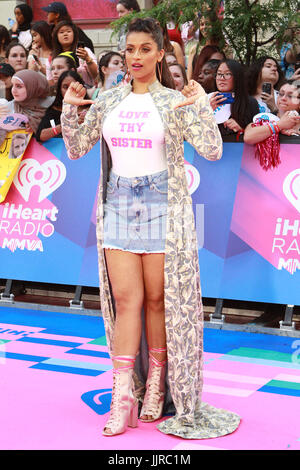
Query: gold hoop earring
(159,65)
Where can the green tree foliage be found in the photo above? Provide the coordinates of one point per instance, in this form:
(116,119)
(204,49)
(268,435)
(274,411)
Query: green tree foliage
(250,28)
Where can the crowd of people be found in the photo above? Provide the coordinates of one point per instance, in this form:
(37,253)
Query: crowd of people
(46,49)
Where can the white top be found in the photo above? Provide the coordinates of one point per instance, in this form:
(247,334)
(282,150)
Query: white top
(134,133)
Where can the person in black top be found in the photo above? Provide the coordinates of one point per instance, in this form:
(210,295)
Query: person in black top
(50,124)
(233,107)
(56,12)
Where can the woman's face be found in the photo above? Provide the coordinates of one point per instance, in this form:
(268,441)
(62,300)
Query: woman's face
(17,58)
(203,26)
(288,98)
(115,64)
(269,72)
(58,66)
(19,16)
(177,76)
(121,10)
(207,78)
(142,55)
(170,59)
(65,36)
(36,39)
(18,89)
(224,79)
(65,85)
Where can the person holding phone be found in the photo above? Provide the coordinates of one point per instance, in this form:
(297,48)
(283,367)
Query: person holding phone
(264,78)
(65,39)
(39,58)
(233,107)
(266,127)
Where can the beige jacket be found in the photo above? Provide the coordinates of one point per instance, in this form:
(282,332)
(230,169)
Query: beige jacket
(183,304)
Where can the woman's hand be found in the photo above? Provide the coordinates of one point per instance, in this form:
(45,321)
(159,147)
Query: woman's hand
(269,99)
(233,125)
(216,99)
(192,91)
(82,54)
(296,75)
(75,95)
(287,121)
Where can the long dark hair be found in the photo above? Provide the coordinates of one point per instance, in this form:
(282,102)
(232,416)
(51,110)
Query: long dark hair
(254,74)
(68,73)
(57,48)
(4,34)
(203,57)
(152,27)
(240,107)
(27,13)
(129,4)
(44,30)
(104,62)
(14,44)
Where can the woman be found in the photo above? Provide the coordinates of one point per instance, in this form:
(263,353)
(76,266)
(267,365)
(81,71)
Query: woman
(16,56)
(124,7)
(56,12)
(265,70)
(30,90)
(160,273)
(210,34)
(50,124)
(65,39)
(265,129)
(207,75)
(235,115)
(287,120)
(60,64)
(179,76)
(290,52)
(4,41)
(209,52)
(110,63)
(39,58)
(21,28)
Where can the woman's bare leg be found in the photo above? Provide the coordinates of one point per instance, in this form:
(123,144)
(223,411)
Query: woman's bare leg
(125,272)
(153,270)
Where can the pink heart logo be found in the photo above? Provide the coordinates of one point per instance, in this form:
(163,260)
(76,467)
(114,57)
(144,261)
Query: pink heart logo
(48,176)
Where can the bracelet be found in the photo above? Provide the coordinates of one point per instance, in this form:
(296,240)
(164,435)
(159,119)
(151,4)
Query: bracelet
(88,62)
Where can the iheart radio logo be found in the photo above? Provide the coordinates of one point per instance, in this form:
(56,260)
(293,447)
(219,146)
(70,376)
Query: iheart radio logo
(48,176)
(28,216)
(291,188)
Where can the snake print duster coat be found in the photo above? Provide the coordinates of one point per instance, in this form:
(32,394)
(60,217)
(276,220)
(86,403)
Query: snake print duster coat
(182,291)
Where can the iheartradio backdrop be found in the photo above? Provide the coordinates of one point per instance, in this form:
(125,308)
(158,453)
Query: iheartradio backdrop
(247,221)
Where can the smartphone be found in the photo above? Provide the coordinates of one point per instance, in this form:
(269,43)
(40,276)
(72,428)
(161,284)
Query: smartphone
(80,44)
(297,66)
(229,98)
(35,58)
(266,88)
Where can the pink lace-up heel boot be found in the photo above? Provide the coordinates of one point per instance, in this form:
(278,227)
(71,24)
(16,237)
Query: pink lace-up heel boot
(124,406)
(155,388)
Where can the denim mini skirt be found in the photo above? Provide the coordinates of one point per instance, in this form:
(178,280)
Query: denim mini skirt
(135,213)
